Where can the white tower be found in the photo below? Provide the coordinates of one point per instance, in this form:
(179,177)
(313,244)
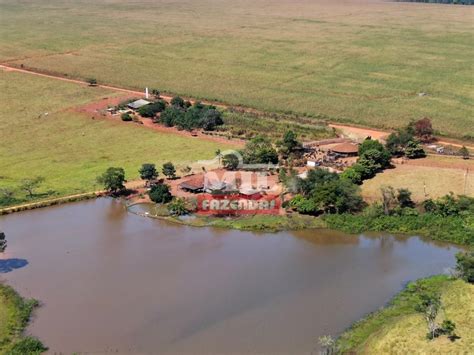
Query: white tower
(146,93)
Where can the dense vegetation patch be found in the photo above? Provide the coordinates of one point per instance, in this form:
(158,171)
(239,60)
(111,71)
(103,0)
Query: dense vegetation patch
(15,313)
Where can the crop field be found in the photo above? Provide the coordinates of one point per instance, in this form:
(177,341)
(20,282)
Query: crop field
(42,136)
(362,62)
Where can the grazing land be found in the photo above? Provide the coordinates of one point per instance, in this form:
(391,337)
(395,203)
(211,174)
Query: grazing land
(400,329)
(42,135)
(432,177)
(360,62)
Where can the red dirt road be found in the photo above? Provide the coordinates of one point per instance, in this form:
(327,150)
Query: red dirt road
(349,130)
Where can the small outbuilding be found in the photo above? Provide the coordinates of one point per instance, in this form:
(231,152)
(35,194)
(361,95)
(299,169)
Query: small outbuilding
(135,105)
(194,185)
(346,149)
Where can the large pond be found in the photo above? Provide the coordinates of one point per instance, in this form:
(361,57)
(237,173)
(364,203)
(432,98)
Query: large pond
(111,281)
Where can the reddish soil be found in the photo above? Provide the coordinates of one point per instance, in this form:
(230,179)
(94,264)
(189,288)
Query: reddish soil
(357,131)
(98,110)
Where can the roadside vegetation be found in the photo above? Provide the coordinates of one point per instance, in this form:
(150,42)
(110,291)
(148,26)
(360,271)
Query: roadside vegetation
(433,315)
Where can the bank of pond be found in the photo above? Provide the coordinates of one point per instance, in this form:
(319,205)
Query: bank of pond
(142,284)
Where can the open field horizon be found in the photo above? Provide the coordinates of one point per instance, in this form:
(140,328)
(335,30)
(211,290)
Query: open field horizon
(360,62)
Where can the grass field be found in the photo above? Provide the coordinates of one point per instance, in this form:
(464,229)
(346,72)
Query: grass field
(399,329)
(351,61)
(438,181)
(70,149)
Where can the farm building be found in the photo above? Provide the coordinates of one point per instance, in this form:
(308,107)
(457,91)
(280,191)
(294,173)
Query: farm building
(194,184)
(135,105)
(346,149)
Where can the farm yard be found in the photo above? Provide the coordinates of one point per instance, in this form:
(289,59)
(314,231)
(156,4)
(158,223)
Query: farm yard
(372,63)
(43,135)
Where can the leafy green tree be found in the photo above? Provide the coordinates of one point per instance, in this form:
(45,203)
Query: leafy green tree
(230,162)
(404,198)
(397,142)
(414,150)
(210,119)
(113,179)
(152,109)
(148,172)
(169,170)
(465,265)
(177,207)
(171,115)
(314,179)
(353,175)
(127,117)
(177,102)
(160,193)
(338,196)
(259,150)
(30,185)
(289,143)
(304,205)
(7,196)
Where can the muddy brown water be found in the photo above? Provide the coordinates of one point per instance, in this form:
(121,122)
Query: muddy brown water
(111,281)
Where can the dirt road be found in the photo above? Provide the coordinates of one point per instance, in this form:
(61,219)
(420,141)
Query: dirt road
(351,131)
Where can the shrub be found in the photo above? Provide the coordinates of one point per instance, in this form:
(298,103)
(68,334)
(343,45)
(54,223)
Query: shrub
(126,117)
(28,345)
(160,194)
(465,265)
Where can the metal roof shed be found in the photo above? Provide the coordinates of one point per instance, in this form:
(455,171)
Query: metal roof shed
(135,105)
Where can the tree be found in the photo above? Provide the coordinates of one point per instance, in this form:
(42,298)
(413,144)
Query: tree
(374,151)
(155,92)
(127,117)
(414,150)
(113,179)
(169,170)
(177,102)
(3,242)
(464,152)
(6,196)
(230,161)
(259,150)
(404,198)
(177,207)
(160,193)
(465,265)
(338,196)
(388,199)
(429,305)
(353,175)
(304,205)
(171,115)
(148,172)
(29,185)
(210,119)
(424,129)
(289,143)
(219,155)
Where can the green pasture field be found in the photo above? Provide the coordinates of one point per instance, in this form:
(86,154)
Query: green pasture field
(71,149)
(357,62)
